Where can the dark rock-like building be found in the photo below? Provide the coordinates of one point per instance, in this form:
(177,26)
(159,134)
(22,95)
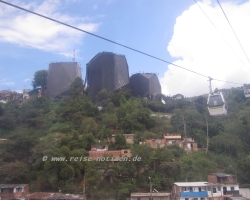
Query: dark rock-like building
(106,71)
(60,77)
(145,85)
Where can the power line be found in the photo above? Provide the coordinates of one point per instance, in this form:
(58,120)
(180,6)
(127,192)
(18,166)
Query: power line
(100,37)
(220,33)
(73,27)
(233,30)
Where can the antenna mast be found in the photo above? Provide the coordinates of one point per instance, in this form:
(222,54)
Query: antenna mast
(74,56)
(210,87)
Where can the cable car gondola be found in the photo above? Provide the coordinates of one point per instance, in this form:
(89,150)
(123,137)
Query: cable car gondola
(246,91)
(216,103)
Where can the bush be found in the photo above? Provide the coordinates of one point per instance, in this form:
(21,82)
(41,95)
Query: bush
(59,127)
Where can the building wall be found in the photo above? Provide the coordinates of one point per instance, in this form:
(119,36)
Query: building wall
(212,178)
(38,196)
(116,153)
(106,71)
(154,85)
(146,196)
(176,190)
(190,146)
(60,77)
(6,196)
(129,138)
(121,77)
(172,136)
(144,84)
(139,85)
(11,192)
(156,143)
(245,192)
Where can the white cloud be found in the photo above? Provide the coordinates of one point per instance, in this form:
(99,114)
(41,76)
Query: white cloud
(6,83)
(95,7)
(26,80)
(198,46)
(109,2)
(26,29)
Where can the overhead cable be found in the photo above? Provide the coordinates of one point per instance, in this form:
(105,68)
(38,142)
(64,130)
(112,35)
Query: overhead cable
(73,27)
(233,31)
(220,34)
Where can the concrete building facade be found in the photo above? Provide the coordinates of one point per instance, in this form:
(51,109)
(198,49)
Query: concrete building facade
(60,77)
(145,85)
(108,71)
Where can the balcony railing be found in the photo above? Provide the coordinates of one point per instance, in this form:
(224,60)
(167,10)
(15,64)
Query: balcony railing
(194,194)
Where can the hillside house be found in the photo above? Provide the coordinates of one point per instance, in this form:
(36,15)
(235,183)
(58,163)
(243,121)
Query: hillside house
(6,95)
(188,144)
(129,138)
(114,155)
(225,184)
(3,140)
(189,190)
(220,186)
(26,94)
(172,138)
(13,191)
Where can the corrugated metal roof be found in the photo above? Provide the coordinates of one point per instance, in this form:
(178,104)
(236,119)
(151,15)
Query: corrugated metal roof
(221,175)
(12,185)
(65,196)
(154,194)
(191,183)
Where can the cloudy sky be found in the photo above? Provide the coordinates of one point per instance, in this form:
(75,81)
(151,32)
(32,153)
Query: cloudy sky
(176,31)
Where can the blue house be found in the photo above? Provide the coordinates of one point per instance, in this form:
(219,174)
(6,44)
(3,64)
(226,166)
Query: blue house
(189,191)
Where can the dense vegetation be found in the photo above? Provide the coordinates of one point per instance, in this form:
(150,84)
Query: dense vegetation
(68,126)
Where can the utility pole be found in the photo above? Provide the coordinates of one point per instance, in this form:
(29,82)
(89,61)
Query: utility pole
(210,86)
(150,184)
(185,131)
(84,187)
(207,133)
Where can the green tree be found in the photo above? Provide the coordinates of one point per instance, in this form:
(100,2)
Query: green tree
(242,169)
(40,79)
(89,125)
(76,87)
(1,109)
(59,175)
(103,95)
(109,121)
(226,143)
(196,166)
(14,172)
(132,116)
(120,142)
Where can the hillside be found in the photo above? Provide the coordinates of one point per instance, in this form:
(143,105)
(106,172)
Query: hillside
(68,126)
